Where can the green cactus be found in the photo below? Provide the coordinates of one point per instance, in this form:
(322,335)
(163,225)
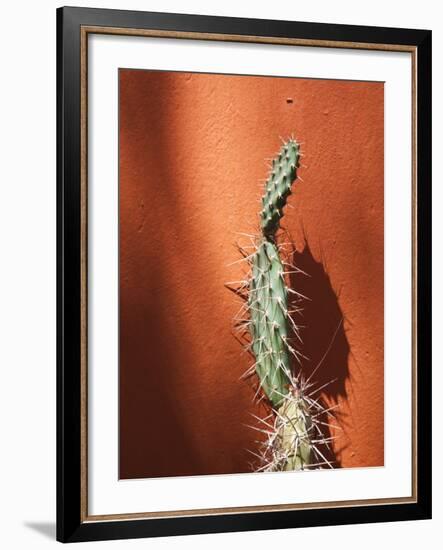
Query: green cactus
(290,443)
(269,323)
(267,302)
(278,187)
(268,294)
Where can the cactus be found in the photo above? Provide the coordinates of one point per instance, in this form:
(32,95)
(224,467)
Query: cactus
(278,187)
(268,309)
(290,443)
(268,294)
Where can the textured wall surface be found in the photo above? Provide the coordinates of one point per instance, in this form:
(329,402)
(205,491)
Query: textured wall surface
(192,164)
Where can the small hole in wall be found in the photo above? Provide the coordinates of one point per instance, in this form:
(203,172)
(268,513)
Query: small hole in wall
(289,100)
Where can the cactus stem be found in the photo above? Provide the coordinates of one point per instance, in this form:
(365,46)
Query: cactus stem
(291,429)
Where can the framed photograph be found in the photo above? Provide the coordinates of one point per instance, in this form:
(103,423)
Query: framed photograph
(244,274)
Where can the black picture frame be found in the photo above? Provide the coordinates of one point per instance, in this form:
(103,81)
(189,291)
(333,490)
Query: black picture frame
(72,525)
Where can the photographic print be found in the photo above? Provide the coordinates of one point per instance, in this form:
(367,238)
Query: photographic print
(251,274)
(243,276)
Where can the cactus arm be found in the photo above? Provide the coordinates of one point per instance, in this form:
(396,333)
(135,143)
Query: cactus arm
(289,444)
(278,187)
(268,295)
(269,328)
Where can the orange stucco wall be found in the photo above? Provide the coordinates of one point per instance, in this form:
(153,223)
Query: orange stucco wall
(192,164)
